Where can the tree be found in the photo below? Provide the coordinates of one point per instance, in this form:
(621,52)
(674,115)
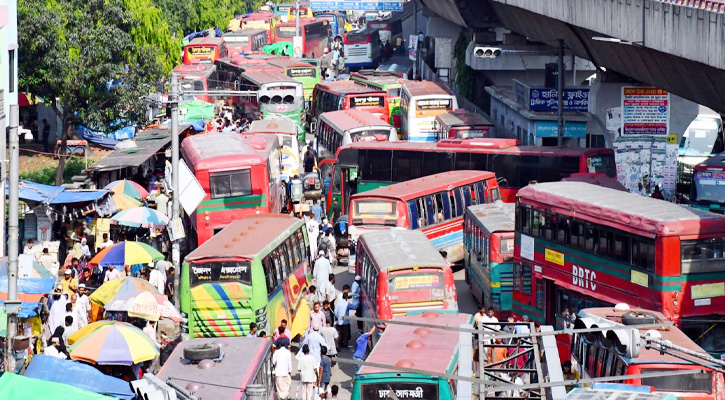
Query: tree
(93,60)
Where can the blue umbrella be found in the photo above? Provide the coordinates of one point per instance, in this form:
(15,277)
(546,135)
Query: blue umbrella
(140,217)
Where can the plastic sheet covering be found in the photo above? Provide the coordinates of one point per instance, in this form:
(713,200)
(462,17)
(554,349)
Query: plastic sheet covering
(21,387)
(76,374)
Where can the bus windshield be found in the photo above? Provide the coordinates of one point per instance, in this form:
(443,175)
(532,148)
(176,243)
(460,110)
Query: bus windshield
(701,382)
(370,135)
(710,185)
(220,271)
(286,32)
(700,137)
(302,72)
(352,38)
(408,280)
(191,84)
(236,39)
(367,101)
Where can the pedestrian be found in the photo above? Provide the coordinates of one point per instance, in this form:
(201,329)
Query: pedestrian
(325,370)
(343,324)
(321,273)
(70,327)
(253,328)
(336,211)
(280,337)
(157,278)
(57,310)
(569,375)
(277,333)
(308,366)
(334,389)
(86,278)
(312,233)
(317,316)
(315,341)
(331,247)
(282,365)
(53,348)
(308,161)
(150,331)
(31,249)
(330,334)
(47,260)
(489,322)
(106,242)
(111,274)
(82,309)
(317,212)
(169,287)
(58,333)
(46,135)
(355,295)
(361,347)
(327,310)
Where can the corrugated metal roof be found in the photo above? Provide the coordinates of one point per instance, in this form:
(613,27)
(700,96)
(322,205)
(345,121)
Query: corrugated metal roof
(148,142)
(394,249)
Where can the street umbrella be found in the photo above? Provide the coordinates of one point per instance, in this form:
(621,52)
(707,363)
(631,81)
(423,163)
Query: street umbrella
(120,202)
(115,344)
(126,253)
(115,287)
(129,188)
(88,329)
(140,217)
(146,305)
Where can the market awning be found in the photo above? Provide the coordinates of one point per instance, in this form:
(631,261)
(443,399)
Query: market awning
(14,386)
(136,151)
(77,374)
(67,197)
(38,193)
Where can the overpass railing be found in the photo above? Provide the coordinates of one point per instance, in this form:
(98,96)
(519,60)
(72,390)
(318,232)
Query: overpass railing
(709,5)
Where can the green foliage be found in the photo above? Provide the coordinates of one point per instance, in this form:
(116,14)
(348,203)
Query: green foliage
(184,17)
(46,176)
(464,73)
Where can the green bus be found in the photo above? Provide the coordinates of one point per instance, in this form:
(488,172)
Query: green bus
(303,72)
(278,96)
(383,81)
(257,269)
(434,351)
(488,252)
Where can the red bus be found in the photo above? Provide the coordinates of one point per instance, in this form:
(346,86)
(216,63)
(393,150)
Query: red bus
(384,27)
(315,36)
(262,20)
(401,271)
(433,204)
(240,175)
(338,128)
(197,77)
(245,41)
(343,95)
(204,50)
(462,124)
(368,165)
(579,245)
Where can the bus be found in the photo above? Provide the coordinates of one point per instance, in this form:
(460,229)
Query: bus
(596,355)
(387,82)
(401,271)
(307,74)
(435,351)
(255,270)
(204,50)
(338,128)
(283,10)
(245,41)
(362,49)
(338,25)
(286,133)
(197,77)
(433,204)
(579,245)
(462,124)
(240,175)
(364,166)
(249,358)
(315,36)
(702,138)
(384,28)
(278,96)
(488,253)
(420,103)
(708,188)
(262,20)
(344,95)
(402,68)
(305,12)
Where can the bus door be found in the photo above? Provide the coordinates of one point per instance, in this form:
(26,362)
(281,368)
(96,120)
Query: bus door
(338,190)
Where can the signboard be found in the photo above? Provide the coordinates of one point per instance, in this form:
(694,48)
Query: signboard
(367,101)
(399,391)
(544,99)
(644,162)
(191,192)
(297,46)
(30,230)
(434,104)
(347,5)
(25,265)
(201,50)
(527,247)
(645,111)
(302,73)
(413,47)
(444,52)
(44,225)
(223,271)
(614,119)
(572,129)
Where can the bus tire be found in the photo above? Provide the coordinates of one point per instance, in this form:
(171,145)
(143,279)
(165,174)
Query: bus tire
(202,352)
(638,318)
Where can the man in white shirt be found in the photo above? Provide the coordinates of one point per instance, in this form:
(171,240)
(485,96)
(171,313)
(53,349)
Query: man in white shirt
(52,350)
(329,333)
(31,249)
(282,364)
(111,274)
(157,279)
(161,202)
(489,318)
(150,331)
(83,306)
(309,368)
(106,242)
(46,259)
(322,272)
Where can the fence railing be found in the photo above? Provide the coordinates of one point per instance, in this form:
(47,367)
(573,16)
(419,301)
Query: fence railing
(709,5)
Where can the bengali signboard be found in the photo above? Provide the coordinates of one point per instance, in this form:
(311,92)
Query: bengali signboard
(443,52)
(223,271)
(544,99)
(399,391)
(346,5)
(645,111)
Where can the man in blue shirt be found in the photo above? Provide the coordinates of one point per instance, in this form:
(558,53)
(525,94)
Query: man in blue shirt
(361,347)
(315,341)
(326,183)
(355,295)
(317,211)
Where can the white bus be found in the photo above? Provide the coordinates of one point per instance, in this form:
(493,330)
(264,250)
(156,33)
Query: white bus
(286,132)
(362,49)
(338,128)
(420,103)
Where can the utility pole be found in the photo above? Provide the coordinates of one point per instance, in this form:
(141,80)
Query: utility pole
(174,220)
(415,32)
(3,183)
(12,305)
(560,94)
(297,17)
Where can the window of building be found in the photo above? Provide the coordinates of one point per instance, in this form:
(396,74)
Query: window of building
(11,70)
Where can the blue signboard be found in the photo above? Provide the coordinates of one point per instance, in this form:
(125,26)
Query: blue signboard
(572,129)
(543,99)
(346,5)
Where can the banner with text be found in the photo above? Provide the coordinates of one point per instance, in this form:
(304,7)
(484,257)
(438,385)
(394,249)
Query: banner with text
(645,111)
(346,5)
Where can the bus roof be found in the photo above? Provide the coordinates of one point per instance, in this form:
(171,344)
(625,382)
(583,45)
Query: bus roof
(462,117)
(264,76)
(273,126)
(222,150)
(396,249)
(494,217)
(605,316)
(716,161)
(426,88)
(245,32)
(206,40)
(286,62)
(245,238)
(345,87)
(344,120)
(303,22)
(257,16)
(379,77)
(427,349)
(194,70)
(229,377)
(428,184)
(632,211)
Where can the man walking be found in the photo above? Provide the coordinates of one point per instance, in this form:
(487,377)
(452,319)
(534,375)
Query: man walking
(282,364)
(361,347)
(309,369)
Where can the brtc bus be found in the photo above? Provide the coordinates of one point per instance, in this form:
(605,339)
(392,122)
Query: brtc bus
(250,359)
(278,96)
(580,245)
(488,248)
(387,82)
(245,41)
(343,95)
(256,270)
(420,103)
(315,36)
(708,185)
(240,175)
(197,77)
(462,124)
(427,349)
(602,354)
(402,272)
(338,128)
(204,50)
(286,133)
(368,165)
(433,204)
(362,49)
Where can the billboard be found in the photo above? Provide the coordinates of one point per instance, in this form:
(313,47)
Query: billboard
(645,111)
(346,5)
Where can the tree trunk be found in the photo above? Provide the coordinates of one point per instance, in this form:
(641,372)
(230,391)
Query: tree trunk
(62,151)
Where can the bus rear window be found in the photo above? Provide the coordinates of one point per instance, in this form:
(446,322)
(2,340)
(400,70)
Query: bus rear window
(701,383)
(394,92)
(200,50)
(603,164)
(507,246)
(236,39)
(220,271)
(352,39)
(415,281)
(376,208)
(371,135)
(230,183)
(379,25)
(286,32)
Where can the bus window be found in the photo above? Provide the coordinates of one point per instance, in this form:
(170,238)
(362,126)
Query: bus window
(268,268)
(413,211)
(230,183)
(430,210)
(591,359)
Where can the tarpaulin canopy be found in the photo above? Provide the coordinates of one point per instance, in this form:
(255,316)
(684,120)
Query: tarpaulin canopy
(21,387)
(30,290)
(197,110)
(47,194)
(77,374)
(67,197)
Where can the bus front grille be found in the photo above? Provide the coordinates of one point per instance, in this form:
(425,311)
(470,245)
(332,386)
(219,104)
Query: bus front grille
(402,308)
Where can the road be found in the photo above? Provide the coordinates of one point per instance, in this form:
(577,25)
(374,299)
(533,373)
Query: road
(342,373)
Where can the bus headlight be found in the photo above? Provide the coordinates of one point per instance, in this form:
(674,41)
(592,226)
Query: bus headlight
(261,319)
(262,311)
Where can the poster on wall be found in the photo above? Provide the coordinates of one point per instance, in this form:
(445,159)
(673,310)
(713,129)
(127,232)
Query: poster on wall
(644,162)
(645,111)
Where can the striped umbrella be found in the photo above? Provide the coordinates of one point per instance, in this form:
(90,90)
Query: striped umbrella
(146,305)
(126,253)
(115,344)
(129,188)
(140,217)
(120,202)
(88,329)
(115,287)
